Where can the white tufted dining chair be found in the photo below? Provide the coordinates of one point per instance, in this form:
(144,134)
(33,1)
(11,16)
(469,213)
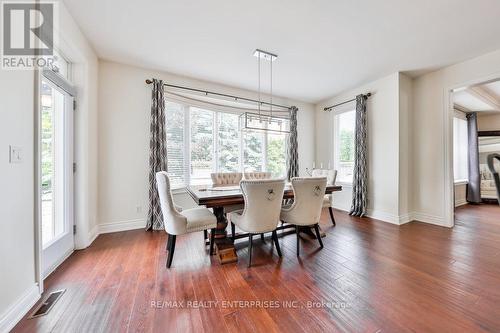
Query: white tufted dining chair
(307,205)
(221,179)
(262,210)
(331,176)
(226,178)
(257,175)
(179,223)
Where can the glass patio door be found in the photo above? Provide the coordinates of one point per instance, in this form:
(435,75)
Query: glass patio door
(56,174)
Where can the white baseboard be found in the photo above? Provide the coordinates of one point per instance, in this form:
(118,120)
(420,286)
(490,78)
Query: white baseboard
(122,226)
(106,228)
(460,203)
(383,216)
(16,311)
(405,218)
(342,208)
(428,218)
(93,235)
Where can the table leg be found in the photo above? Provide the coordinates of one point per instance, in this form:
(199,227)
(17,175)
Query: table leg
(220,231)
(224,245)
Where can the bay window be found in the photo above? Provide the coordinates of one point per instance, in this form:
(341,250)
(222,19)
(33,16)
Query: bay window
(202,141)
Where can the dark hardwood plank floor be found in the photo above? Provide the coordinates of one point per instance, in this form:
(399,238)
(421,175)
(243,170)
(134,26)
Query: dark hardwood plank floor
(371,276)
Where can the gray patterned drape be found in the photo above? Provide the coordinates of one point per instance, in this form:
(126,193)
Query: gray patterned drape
(474,182)
(292,161)
(360,176)
(157,154)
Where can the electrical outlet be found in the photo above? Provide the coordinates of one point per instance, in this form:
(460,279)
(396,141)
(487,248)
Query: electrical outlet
(15,154)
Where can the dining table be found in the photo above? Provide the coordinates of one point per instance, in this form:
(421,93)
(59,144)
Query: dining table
(218,197)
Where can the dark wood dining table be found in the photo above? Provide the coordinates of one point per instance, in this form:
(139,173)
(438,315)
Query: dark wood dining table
(219,197)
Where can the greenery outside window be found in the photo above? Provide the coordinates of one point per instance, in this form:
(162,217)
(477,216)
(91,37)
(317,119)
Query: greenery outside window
(344,124)
(201,141)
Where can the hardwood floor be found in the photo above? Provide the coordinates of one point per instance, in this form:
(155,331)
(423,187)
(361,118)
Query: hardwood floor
(369,277)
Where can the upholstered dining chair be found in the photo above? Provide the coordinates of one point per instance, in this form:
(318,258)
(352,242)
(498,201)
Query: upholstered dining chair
(226,178)
(262,210)
(179,223)
(307,204)
(257,175)
(331,176)
(222,179)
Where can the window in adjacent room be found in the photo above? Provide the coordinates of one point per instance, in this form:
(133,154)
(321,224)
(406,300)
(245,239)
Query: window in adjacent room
(344,123)
(460,149)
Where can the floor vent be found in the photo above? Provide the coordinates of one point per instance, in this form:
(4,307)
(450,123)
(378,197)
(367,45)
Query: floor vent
(46,305)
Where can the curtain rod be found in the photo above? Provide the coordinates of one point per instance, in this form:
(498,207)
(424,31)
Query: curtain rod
(236,98)
(329,108)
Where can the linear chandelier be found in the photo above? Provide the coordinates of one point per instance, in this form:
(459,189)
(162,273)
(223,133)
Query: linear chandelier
(264,120)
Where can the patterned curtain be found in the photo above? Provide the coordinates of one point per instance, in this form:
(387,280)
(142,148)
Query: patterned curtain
(157,154)
(474,183)
(292,162)
(359,182)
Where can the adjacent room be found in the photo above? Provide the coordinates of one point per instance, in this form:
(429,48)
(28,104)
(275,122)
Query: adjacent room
(264,166)
(476,153)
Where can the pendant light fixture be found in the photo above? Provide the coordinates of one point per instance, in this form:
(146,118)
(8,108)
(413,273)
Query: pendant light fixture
(265,119)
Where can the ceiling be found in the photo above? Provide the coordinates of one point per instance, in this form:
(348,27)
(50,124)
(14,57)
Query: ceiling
(483,98)
(323,46)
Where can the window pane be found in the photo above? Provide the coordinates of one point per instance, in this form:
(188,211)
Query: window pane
(253,151)
(52,162)
(276,154)
(47,162)
(460,153)
(228,143)
(175,144)
(345,153)
(202,145)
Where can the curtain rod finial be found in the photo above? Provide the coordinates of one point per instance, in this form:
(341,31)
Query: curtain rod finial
(148,81)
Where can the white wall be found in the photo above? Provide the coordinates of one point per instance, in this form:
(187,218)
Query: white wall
(405,148)
(433,194)
(383,146)
(17,234)
(18,253)
(124,112)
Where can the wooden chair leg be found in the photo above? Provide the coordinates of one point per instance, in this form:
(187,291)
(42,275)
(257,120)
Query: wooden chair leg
(331,215)
(212,241)
(171,249)
(298,239)
(249,250)
(262,238)
(276,243)
(318,235)
(205,235)
(233,230)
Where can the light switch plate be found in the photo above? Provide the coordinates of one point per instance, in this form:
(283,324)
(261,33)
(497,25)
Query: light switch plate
(15,154)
